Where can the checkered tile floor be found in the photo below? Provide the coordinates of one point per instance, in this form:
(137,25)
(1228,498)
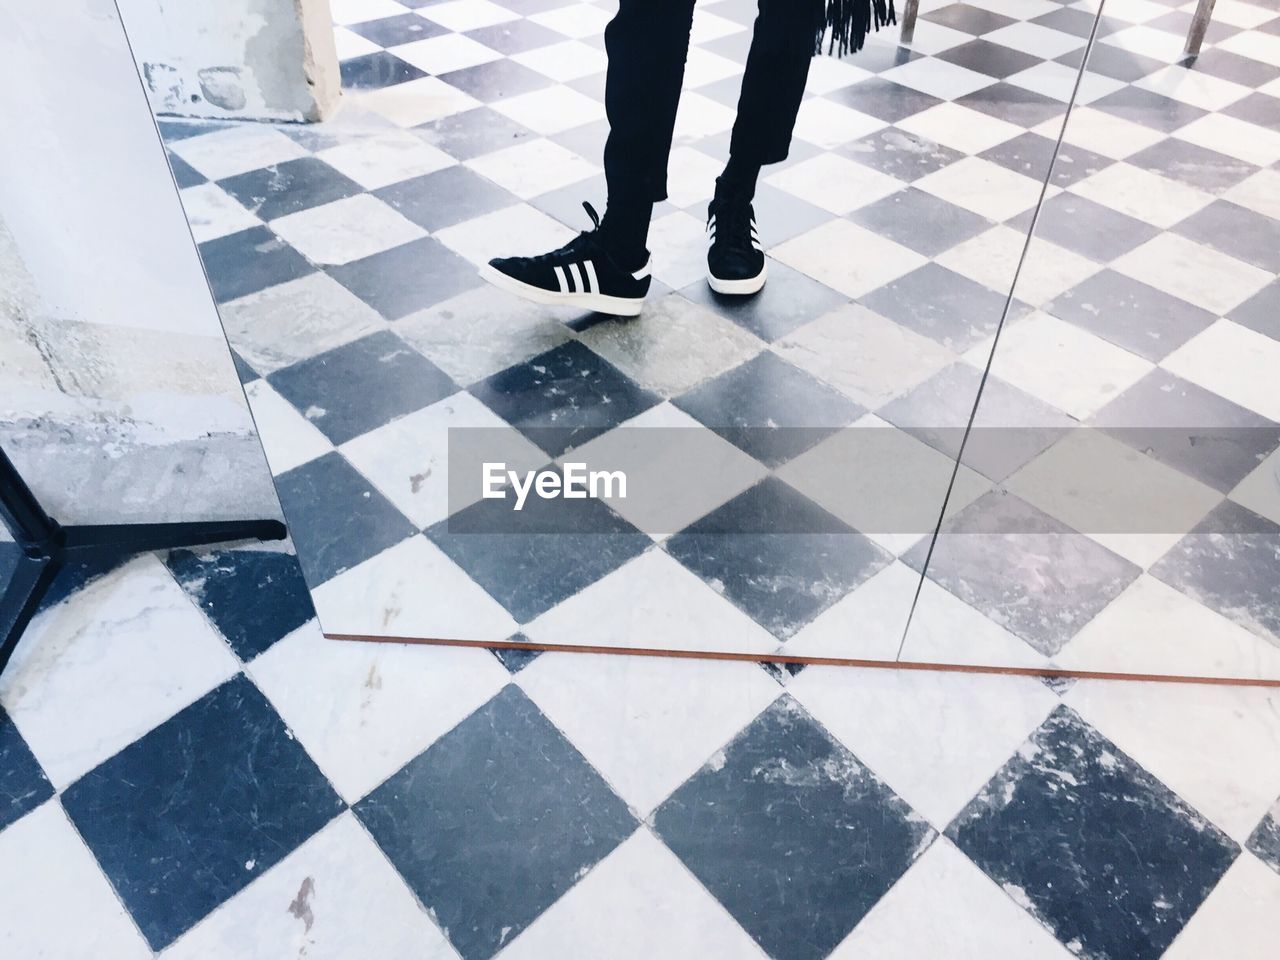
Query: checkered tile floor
(344,254)
(188,769)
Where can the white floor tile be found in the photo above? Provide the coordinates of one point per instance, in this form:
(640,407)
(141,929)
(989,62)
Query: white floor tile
(361,11)
(660,500)
(1260,192)
(1063,365)
(408,459)
(493,234)
(960,128)
(1260,490)
(446,53)
(945,899)
(334,897)
(1233,361)
(225,153)
(847,258)
(1102,133)
(1255,45)
(463,15)
(679,245)
(1140,193)
(57,904)
(651,601)
(830,125)
(647,723)
(1036,40)
(673,345)
(938,78)
(1239,919)
(383,159)
(881,481)
(1236,138)
(500,331)
(1194,87)
(346,230)
(363,710)
(384,594)
(281,325)
(564,61)
(934,738)
(1194,272)
(1058,81)
(1100,486)
(945,629)
(577,20)
(213,213)
(533,167)
(1152,628)
(668,914)
(551,109)
(288,438)
(109,664)
(1214,746)
(865,356)
(866,624)
(834,183)
(418,101)
(984,187)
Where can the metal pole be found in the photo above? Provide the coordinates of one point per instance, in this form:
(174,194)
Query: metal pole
(909,10)
(1199,26)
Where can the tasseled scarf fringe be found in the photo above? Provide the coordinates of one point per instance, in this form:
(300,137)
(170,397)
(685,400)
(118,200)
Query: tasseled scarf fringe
(843,25)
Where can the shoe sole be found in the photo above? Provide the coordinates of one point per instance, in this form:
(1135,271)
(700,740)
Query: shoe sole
(739,288)
(599,302)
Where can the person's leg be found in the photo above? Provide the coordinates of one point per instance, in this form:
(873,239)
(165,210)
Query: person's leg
(772,88)
(647,42)
(607,269)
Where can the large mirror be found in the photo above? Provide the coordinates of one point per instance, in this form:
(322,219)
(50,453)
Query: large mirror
(122,423)
(1130,421)
(407,390)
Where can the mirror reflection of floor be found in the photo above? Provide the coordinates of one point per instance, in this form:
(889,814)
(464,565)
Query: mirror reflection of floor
(343,256)
(194,770)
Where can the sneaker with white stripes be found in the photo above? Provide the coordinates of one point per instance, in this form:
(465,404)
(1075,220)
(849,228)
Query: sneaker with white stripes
(582,273)
(735,259)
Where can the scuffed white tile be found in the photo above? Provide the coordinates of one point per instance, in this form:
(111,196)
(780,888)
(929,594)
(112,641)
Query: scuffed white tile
(335,897)
(363,710)
(1214,746)
(109,664)
(934,738)
(384,595)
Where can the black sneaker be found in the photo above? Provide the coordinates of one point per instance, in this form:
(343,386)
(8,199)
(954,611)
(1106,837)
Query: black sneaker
(735,260)
(582,273)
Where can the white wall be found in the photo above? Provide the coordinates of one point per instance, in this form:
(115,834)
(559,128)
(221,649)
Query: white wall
(118,396)
(246,59)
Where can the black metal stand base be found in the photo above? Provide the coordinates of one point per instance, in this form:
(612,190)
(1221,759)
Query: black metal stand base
(47,547)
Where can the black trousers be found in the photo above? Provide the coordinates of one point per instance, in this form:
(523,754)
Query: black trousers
(648,42)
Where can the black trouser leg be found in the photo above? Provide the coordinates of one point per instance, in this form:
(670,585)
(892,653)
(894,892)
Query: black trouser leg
(647,43)
(773,84)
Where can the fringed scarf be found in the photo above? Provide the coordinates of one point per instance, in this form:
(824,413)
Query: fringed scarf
(842,25)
